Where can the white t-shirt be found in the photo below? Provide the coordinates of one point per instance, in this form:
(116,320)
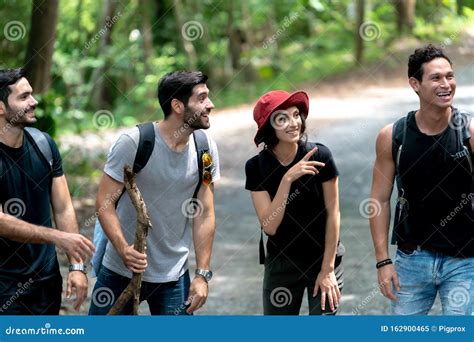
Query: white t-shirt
(167,184)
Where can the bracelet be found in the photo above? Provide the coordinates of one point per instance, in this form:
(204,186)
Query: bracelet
(383,263)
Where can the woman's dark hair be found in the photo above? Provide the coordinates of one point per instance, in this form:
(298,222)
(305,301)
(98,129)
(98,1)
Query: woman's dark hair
(178,85)
(421,56)
(269,138)
(7,78)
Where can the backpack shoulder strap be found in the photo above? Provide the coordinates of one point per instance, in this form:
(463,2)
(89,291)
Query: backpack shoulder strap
(146,144)
(465,132)
(399,133)
(465,135)
(261,164)
(261,243)
(42,142)
(202,146)
(1,178)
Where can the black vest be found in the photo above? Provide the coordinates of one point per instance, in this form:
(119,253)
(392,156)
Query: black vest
(437,183)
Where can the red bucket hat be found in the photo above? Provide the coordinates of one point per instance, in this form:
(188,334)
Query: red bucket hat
(277,99)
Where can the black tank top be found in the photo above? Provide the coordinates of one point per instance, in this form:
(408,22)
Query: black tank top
(437,182)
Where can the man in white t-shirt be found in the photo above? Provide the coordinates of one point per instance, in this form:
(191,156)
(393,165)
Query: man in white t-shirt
(167,184)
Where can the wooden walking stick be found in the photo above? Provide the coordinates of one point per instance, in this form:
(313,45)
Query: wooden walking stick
(143,225)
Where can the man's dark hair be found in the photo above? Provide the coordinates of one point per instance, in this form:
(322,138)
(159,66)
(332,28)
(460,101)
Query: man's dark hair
(178,85)
(7,78)
(421,56)
(269,138)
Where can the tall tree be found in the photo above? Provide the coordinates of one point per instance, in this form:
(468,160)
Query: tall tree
(359,41)
(247,24)
(206,61)
(459,6)
(39,54)
(146,30)
(247,43)
(99,93)
(270,28)
(405,15)
(234,37)
(186,42)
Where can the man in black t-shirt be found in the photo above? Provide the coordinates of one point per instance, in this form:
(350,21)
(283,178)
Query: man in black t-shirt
(30,281)
(429,152)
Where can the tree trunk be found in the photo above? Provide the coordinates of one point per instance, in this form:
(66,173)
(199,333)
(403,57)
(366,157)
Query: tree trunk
(205,62)
(270,42)
(144,10)
(77,21)
(359,42)
(100,96)
(246,47)
(410,15)
(183,34)
(399,10)
(405,15)
(234,37)
(459,6)
(39,53)
(247,24)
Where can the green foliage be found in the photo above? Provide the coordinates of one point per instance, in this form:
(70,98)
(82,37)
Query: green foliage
(14,18)
(444,31)
(282,44)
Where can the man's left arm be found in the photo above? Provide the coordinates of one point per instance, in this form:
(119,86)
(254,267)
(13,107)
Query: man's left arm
(65,219)
(203,236)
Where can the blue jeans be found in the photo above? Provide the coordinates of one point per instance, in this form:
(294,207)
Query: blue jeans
(423,274)
(163,298)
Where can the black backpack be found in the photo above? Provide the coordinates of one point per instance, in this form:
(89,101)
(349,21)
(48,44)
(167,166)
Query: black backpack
(264,171)
(399,132)
(146,144)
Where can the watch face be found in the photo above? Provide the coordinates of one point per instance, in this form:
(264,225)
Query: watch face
(78,267)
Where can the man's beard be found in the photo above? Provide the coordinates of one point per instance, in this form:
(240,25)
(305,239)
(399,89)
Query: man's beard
(193,120)
(17,117)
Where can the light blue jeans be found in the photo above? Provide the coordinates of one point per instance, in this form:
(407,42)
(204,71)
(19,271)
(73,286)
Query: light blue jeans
(423,274)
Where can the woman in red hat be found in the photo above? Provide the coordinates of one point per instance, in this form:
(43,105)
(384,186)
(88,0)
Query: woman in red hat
(294,188)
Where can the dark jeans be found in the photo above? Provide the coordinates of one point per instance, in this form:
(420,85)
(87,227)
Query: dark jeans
(284,284)
(35,297)
(163,298)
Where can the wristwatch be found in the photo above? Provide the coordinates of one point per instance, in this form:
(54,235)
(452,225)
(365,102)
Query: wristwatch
(78,267)
(206,274)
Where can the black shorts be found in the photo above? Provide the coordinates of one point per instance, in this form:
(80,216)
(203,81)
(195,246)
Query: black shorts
(31,297)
